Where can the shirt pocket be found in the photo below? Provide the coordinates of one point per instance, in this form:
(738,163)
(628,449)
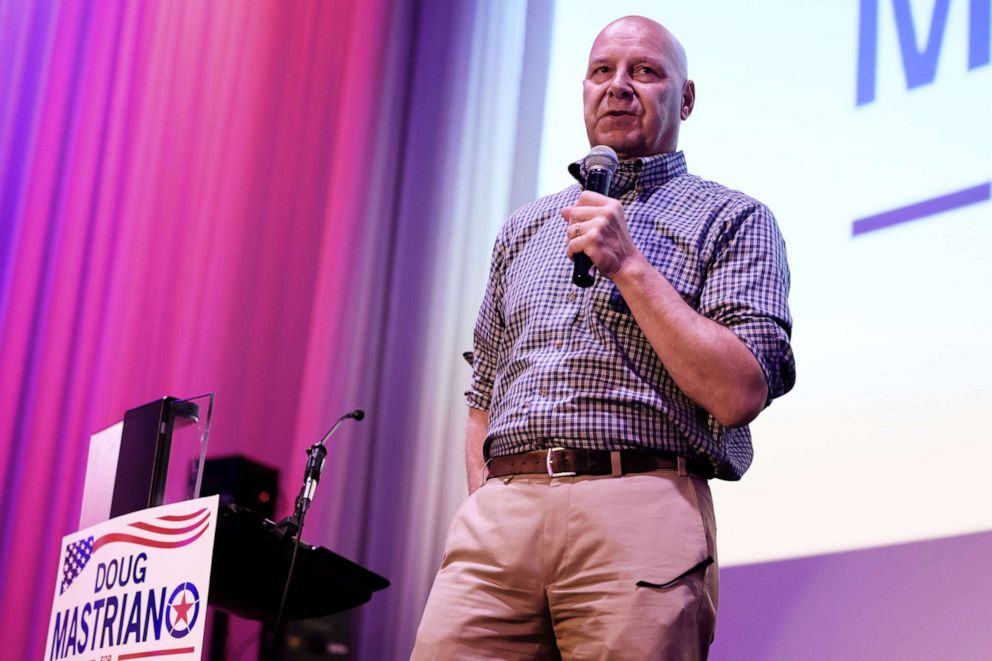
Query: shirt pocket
(678,261)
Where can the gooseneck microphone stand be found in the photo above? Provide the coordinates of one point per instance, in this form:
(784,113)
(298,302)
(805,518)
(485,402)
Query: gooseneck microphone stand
(293,524)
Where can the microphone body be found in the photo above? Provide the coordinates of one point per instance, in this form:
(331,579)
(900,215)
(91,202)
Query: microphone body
(311,475)
(600,164)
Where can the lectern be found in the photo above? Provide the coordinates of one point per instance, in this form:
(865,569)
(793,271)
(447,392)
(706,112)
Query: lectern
(251,555)
(251,560)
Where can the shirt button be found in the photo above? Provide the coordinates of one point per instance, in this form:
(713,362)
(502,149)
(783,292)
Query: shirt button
(571,296)
(544,392)
(559,344)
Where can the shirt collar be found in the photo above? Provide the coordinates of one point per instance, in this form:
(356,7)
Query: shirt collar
(641,173)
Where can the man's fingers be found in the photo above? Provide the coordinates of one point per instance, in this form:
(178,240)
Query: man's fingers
(574,246)
(583,243)
(579,213)
(590,198)
(590,205)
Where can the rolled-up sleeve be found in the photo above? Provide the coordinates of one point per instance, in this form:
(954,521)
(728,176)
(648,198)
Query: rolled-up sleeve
(489,329)
(747,289)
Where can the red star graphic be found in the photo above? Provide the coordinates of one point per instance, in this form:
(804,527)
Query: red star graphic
(182,611)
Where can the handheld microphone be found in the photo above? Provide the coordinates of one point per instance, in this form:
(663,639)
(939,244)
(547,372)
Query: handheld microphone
(600,164)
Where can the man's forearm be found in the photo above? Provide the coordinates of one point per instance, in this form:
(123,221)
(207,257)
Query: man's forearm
(475,436)
(707,361)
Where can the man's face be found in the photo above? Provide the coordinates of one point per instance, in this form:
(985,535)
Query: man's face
(635,92)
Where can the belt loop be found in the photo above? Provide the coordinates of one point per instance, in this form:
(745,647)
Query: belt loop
(681,467)
(616,469)
(485,471)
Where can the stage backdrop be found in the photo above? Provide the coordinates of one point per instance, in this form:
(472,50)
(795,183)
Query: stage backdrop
(292,204)
(289,204)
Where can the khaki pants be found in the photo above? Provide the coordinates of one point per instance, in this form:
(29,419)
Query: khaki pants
(536,567)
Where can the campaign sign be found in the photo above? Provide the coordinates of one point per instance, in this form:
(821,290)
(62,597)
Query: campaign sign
(135,587)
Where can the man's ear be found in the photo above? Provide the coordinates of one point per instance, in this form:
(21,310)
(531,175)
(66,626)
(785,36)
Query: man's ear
(688,99)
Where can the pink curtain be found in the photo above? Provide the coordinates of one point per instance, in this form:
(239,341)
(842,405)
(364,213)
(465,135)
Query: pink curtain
(186,208)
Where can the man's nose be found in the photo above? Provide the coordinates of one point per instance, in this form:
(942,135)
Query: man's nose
(620,84)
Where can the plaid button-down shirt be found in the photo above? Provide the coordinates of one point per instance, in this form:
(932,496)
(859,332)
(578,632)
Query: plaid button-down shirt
(558,365)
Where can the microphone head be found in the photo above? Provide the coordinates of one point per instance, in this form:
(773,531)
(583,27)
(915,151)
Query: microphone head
(601,157)
(357,414)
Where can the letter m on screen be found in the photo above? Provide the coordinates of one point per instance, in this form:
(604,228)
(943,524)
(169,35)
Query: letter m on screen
(919,65)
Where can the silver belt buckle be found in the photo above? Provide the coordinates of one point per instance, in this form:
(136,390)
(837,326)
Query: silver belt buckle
(551,470)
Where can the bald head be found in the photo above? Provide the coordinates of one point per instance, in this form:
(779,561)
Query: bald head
(653,31)
(636,91)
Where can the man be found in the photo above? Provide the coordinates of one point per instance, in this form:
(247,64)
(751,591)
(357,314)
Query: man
(597,415)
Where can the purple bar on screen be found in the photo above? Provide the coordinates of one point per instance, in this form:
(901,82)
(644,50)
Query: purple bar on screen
(917,210)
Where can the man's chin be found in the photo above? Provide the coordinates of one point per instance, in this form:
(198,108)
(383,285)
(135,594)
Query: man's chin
(626,146)
(626,151)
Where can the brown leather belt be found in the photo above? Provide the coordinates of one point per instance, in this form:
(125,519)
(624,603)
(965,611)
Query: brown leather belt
(567,462)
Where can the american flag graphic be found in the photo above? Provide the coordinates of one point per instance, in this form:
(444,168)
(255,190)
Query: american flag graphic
(164,532)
